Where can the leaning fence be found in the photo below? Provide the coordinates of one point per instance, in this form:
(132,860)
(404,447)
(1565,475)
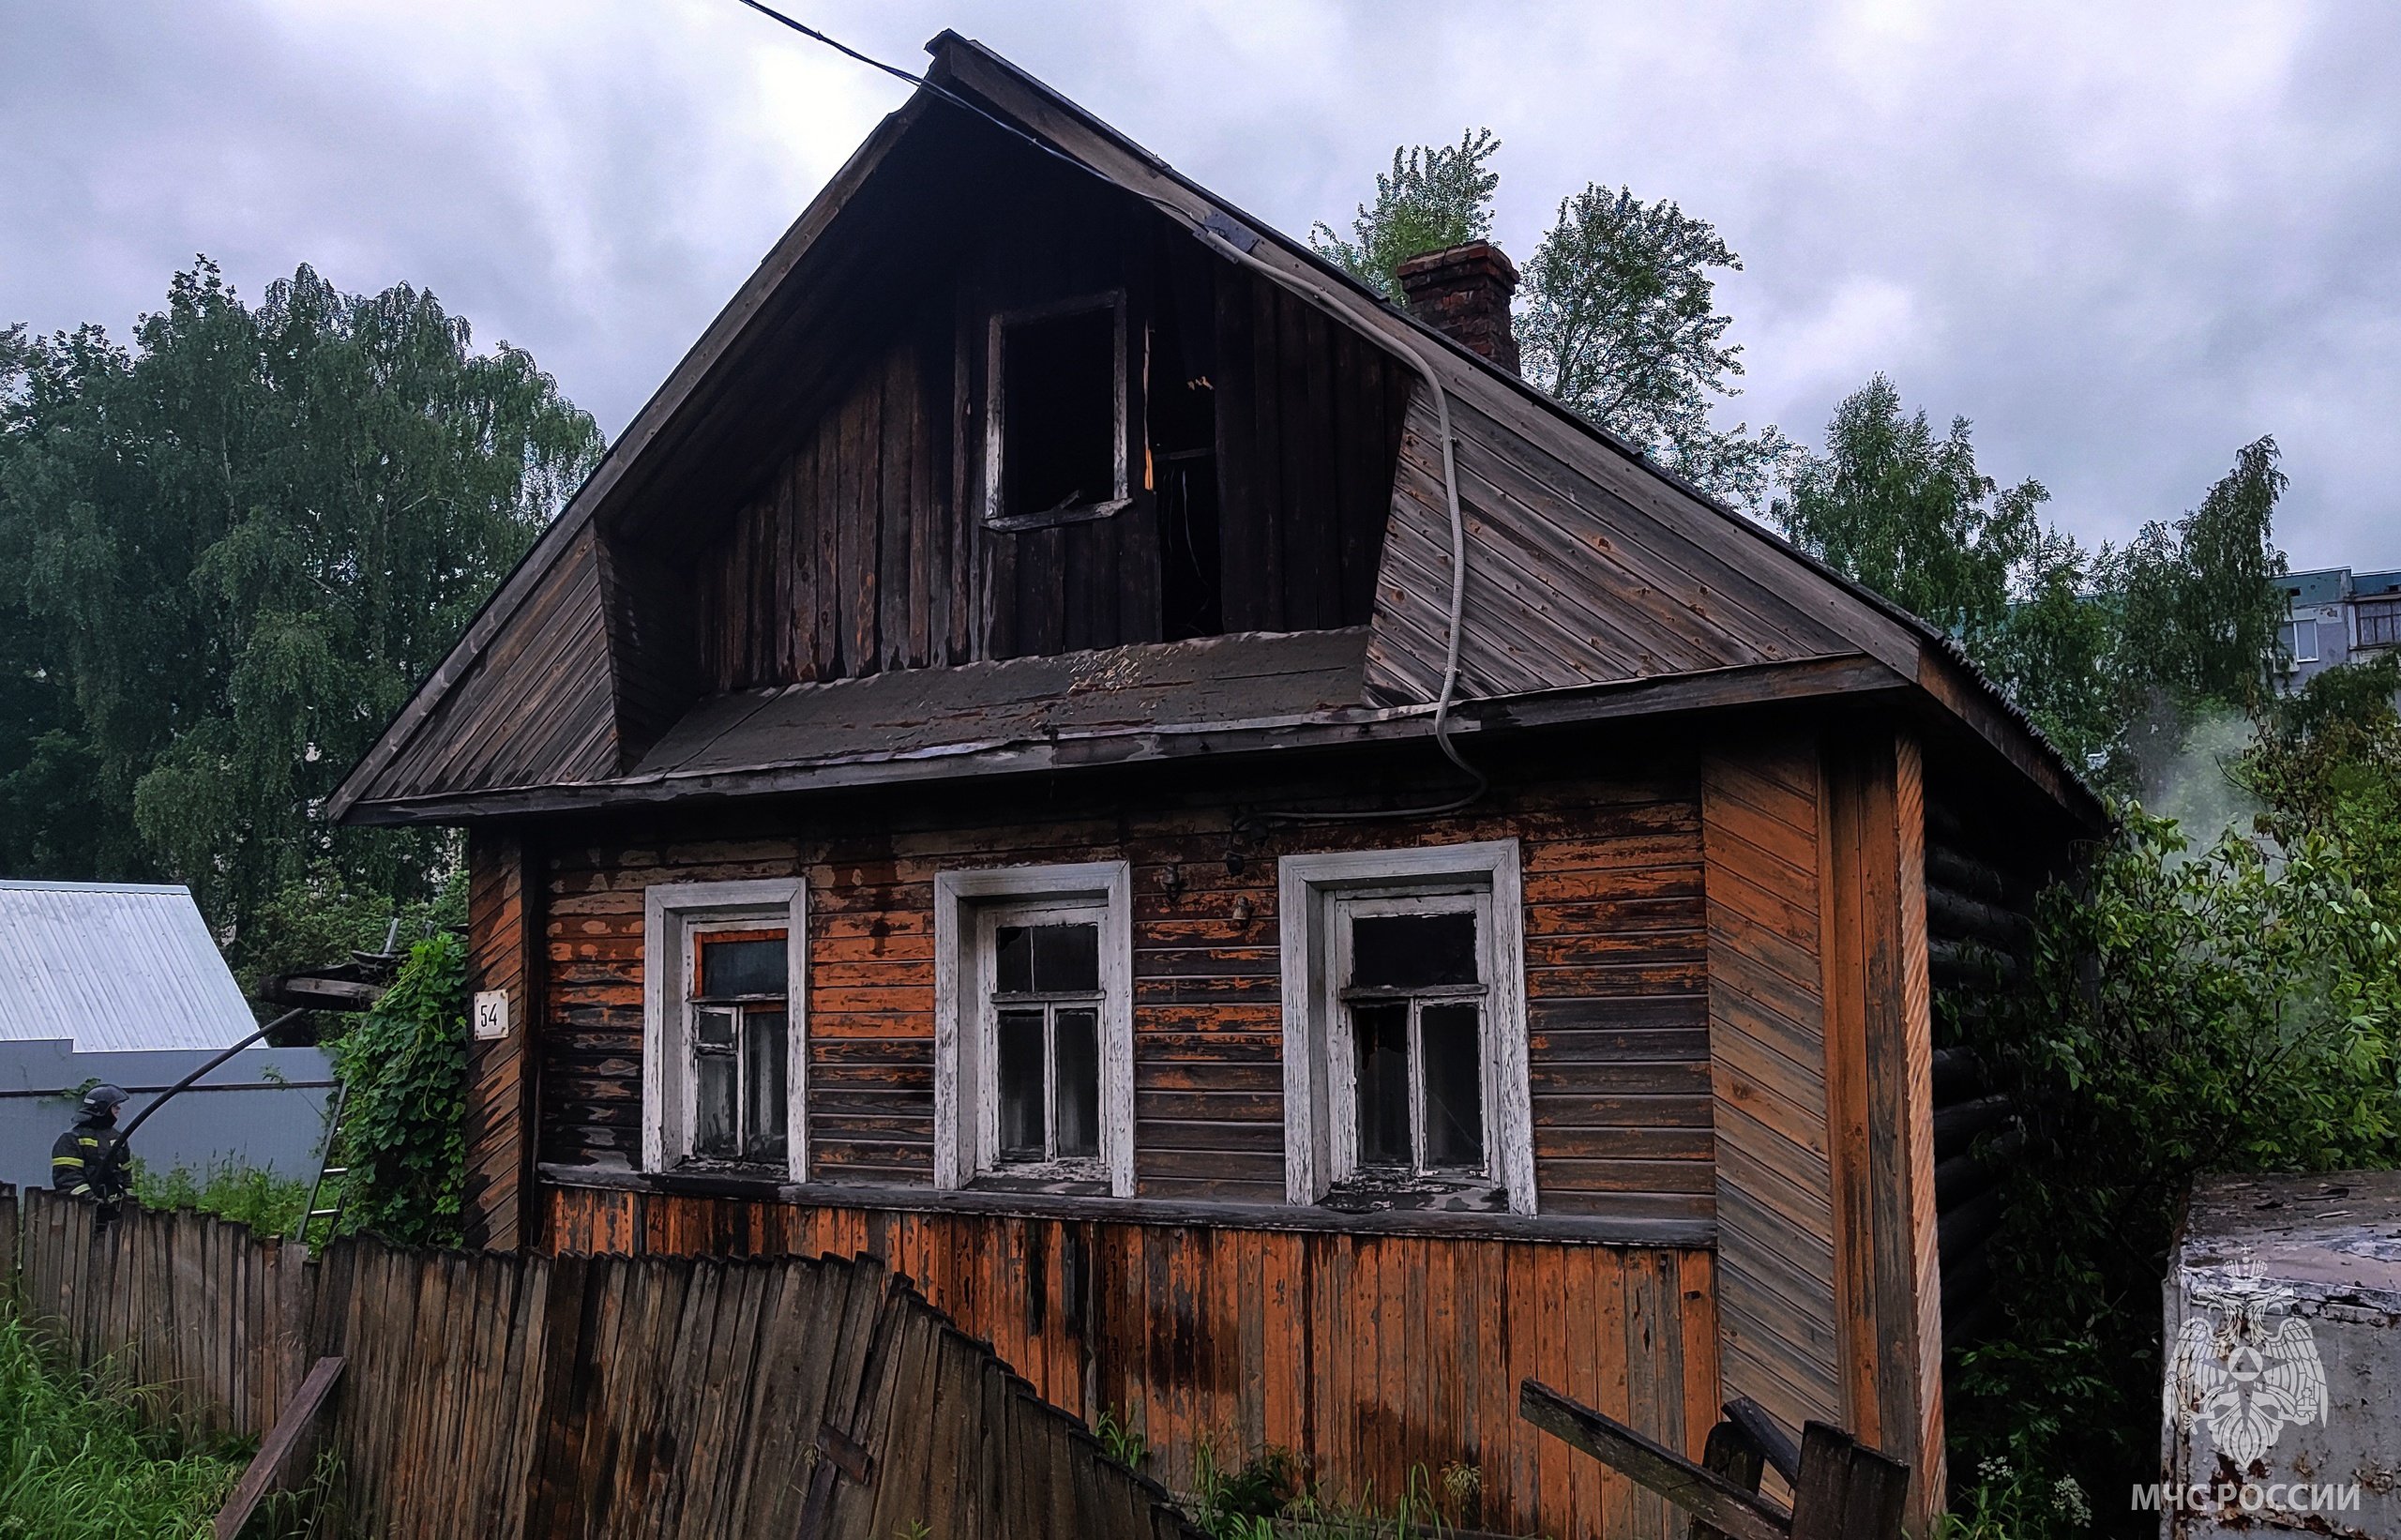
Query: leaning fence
(494,1394)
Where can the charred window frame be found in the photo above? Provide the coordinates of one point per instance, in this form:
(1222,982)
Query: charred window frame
(1046,428)
(1034,1028)
(719,1019)
(1376,1040)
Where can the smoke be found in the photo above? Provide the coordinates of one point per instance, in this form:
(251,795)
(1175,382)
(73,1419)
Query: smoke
(2195,783)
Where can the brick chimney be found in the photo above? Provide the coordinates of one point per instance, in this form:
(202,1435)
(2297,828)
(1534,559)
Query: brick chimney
(1464,293)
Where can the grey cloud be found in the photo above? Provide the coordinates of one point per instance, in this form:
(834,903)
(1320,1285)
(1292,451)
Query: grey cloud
(2124,240)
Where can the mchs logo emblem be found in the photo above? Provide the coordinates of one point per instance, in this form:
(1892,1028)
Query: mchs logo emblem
(2239,1374)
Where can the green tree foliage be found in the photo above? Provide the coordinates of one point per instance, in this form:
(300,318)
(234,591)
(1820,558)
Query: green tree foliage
(1434,196)
(2113,653)
(2056,651)
(1617,315)
(404,1067)
(232,550)
(1909,515)
(327,918)
(2233,1009)
(2326,765)
(1619,322)
(2204,587)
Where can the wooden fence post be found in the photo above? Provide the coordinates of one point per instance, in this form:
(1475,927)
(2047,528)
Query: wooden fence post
(1847,1489)
(7,1241)
(1706,1495)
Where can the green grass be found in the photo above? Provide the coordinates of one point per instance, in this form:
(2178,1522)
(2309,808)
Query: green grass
(1268,1498)
(82,1462)
(260,1199)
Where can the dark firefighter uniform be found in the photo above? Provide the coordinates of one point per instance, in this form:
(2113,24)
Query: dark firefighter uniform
(88,1160)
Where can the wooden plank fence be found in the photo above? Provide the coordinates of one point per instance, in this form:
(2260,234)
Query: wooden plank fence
(496,1394)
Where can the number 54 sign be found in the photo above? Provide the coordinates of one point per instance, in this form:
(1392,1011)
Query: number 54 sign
(492,1014)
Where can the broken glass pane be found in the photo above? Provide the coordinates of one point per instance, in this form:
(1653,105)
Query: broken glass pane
(1381,1033)
(1020,1085)
(1013,959)
(763,1047)
(1454,1077)
(1079,1081)
(1066,959)
(1412,951)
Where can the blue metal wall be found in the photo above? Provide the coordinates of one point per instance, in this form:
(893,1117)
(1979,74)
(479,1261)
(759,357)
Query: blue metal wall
(240,1114)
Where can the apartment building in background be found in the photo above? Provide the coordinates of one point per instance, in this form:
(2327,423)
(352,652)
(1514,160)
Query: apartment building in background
(2337,616)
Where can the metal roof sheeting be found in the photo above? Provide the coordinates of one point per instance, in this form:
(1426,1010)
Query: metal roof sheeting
(114,967)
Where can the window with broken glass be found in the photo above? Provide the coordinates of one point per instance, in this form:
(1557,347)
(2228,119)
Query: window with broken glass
(1042,1022)
(1412,1001)
(739,1017)
(1055,438)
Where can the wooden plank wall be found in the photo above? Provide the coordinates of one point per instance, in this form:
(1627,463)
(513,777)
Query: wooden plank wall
(1370,1354)
(1309,418)
(1879,1013)
(853,558)
(211,1317)
(1983,880)
(654,648)
(1761,814)
(513,1396)
(536,708)
(862,550)
(1615,972)
(1822,1042)
(1570,583)
(503,924)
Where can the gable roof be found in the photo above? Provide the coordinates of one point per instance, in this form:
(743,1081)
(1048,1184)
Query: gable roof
(1591,570)
(114,967)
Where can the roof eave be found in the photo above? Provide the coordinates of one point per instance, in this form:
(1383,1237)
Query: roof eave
(1847,675)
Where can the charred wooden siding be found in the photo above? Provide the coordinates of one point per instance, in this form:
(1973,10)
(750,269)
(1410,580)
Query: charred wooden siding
(851,558)
(1980,898)
(503,923)
(1309,419)
(1370,1356)
(536,708)
(1615,961)
(862,549)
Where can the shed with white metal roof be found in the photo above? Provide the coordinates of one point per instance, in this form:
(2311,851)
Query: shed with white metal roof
(114,967)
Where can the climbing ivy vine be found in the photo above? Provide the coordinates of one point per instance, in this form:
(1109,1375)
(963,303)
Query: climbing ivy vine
(403,1134)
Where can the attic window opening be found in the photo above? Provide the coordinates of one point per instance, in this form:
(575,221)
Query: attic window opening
(1056,441)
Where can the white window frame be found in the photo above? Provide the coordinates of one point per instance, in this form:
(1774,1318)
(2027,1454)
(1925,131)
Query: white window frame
(1320,1127)
(966,1094)
(672,913)
(2292,630)
(996,513)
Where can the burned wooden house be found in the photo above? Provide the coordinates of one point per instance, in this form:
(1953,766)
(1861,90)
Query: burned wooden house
(1289,881)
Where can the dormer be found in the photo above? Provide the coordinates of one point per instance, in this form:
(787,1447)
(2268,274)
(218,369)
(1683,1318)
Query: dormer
(1078,465)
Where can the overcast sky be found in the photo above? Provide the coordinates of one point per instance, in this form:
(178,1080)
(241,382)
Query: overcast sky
(2124,240)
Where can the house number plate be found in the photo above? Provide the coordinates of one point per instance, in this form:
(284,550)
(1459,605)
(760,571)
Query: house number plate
(492,1014)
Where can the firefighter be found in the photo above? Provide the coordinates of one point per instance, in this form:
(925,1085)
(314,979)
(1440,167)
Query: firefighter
(88,1160)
